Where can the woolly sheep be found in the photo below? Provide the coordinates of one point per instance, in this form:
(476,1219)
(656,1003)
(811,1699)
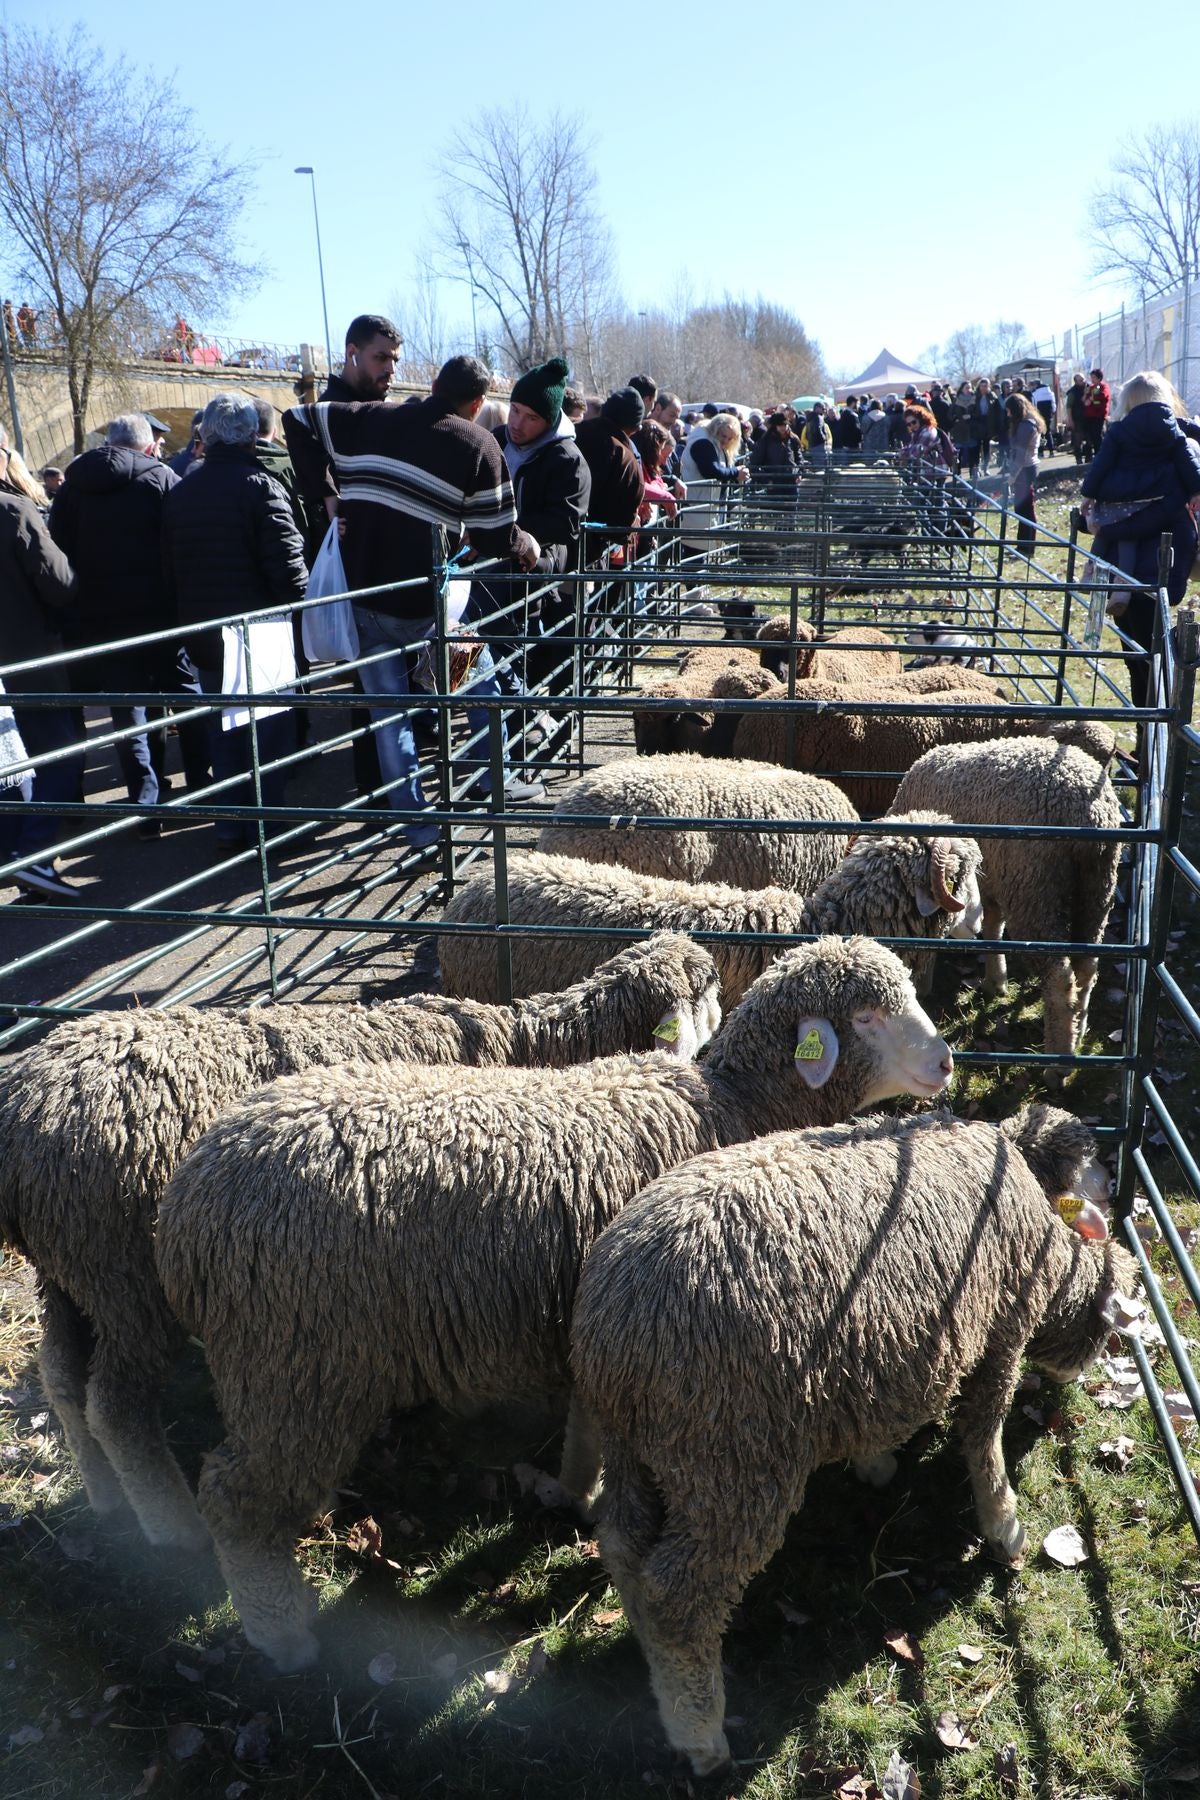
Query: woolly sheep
(884,887)
(416,1235)
(838,742)
(1059,889)
(766,1309)
(826,659)
(94,1120)
(635,788)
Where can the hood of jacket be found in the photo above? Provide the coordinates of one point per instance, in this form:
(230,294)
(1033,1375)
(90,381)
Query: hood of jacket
(113,466)
(1148,429)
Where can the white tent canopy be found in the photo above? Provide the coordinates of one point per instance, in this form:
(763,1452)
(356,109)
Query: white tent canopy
(888,374)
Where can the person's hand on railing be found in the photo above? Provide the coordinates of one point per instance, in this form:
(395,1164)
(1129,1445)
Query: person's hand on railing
(742,474)
(528,553)
(679,489)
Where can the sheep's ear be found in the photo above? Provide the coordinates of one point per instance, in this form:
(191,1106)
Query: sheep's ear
(676,1033)
(817,1051)
(926,904)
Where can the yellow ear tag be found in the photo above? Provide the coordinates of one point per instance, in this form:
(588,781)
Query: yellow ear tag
(810,1048)
(668,1031)
(1068,1207)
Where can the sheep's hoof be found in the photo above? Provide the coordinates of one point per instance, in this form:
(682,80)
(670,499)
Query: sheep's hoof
(876,1471)
(290,1651)
(713,1758)
(1008,1540)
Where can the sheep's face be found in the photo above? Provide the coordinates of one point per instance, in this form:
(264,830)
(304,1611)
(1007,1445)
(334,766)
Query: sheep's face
(1072,1334)
(968,922)
(901,1049)
(686,1027)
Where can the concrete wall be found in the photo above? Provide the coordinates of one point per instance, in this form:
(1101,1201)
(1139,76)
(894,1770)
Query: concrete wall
(1164,335)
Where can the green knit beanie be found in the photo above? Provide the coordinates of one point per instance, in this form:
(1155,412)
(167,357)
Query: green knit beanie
(542,389)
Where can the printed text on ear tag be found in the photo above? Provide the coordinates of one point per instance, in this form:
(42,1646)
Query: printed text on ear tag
(668,1031)
(810,1048)
(1068,1207)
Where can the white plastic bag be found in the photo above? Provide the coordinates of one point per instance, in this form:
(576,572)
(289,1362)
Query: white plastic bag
(272,666)
(329,633)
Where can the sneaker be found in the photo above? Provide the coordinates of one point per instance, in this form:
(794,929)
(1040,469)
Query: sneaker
(524,786)
(42,878)
(421,837)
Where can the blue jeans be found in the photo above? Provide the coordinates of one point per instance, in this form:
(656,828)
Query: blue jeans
(389,678)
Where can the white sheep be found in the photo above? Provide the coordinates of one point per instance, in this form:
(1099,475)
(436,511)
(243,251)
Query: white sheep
(417,1234)
(632,789)
(1055,889)
(790,1302)
(885,887)
(94,1120)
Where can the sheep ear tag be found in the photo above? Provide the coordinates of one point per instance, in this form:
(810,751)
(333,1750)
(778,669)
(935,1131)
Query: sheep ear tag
(1082,1216)
(816,1051)
(676,1033)
(926,904)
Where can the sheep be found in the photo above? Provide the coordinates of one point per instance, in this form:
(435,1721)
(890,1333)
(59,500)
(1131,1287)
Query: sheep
(415,1235)
(841,742)
(94,1120)
(1051,888)
(804,1298)
(825,659)
(1061,1151)
(632,789)
(885,887)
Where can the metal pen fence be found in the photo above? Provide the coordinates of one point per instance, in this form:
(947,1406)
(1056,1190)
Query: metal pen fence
(848,547)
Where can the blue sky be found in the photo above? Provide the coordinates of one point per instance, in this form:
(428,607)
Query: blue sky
(889,172)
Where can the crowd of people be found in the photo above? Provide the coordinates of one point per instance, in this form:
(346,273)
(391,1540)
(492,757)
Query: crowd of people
(123,544)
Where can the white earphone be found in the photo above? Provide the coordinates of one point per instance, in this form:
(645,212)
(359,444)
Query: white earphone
(354,360)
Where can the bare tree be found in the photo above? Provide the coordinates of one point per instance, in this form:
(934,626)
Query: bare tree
(518,206)
(113,209)
(975,350)
(1146,226)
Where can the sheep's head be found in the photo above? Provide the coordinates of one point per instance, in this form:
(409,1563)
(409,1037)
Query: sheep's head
(938,877)
(1061,1152)
(670,972)
(844,1007)
(663,733)
(777,633)
(1091,1302)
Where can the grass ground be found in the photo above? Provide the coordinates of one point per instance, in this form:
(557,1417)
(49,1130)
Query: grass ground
(474,1648)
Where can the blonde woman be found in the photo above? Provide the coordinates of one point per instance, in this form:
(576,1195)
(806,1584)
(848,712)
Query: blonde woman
(709,470)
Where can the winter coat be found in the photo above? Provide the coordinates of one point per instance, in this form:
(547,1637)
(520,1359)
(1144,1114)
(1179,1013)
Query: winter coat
(617,485)
(962,428)
(985,420)
(847,432)
(107,520)
(775,456)
(875,429)
(36,588)
(707,475)
(1145,456)
(230,545)
(273,459)
(553,489)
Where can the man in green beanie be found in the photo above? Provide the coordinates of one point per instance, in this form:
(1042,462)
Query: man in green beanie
(552,486)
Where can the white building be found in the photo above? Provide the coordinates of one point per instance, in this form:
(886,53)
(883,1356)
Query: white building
(1161,332)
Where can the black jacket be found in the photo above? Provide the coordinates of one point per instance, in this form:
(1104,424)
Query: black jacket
(617,484)
(107,519)
(229,545)
(553,488)
(36,589)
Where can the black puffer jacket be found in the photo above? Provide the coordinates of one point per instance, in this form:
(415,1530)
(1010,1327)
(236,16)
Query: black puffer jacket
(553,488)
(107,518)
(230,545)
(36,589)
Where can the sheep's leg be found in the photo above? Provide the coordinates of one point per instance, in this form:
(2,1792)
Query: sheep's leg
(1085,970)
(255,1524)
(66,1348)
(630,1520)
(688,1592)
(995,977)
(580,1470)
(982,1407)
(124,1390)
(1058,1022)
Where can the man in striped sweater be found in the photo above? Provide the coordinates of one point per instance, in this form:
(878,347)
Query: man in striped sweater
(401,470)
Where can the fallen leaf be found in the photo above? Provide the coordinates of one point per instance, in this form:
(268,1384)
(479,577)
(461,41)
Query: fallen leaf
(382,1669)
(1179,1408)
(535,1662)
(499,1681)
(111,1693)
(1116,1453)
(859,1787)
(150,1775)
(902,1646)
(445,1667)
(1065,1546)
(38,1420)
(610,1616)
(253,1741)
(950,1732)
(588,1547)
(184,1741)
(544,1488)
(1007,1768)
(900,1780)
(25,1734)
(970,1653)
(365,1538)
(188,1673)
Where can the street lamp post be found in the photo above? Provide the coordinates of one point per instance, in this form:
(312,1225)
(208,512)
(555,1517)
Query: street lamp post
(466,250)
(306,169)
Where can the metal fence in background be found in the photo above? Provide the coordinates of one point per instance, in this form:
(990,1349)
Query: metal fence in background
(325,876)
